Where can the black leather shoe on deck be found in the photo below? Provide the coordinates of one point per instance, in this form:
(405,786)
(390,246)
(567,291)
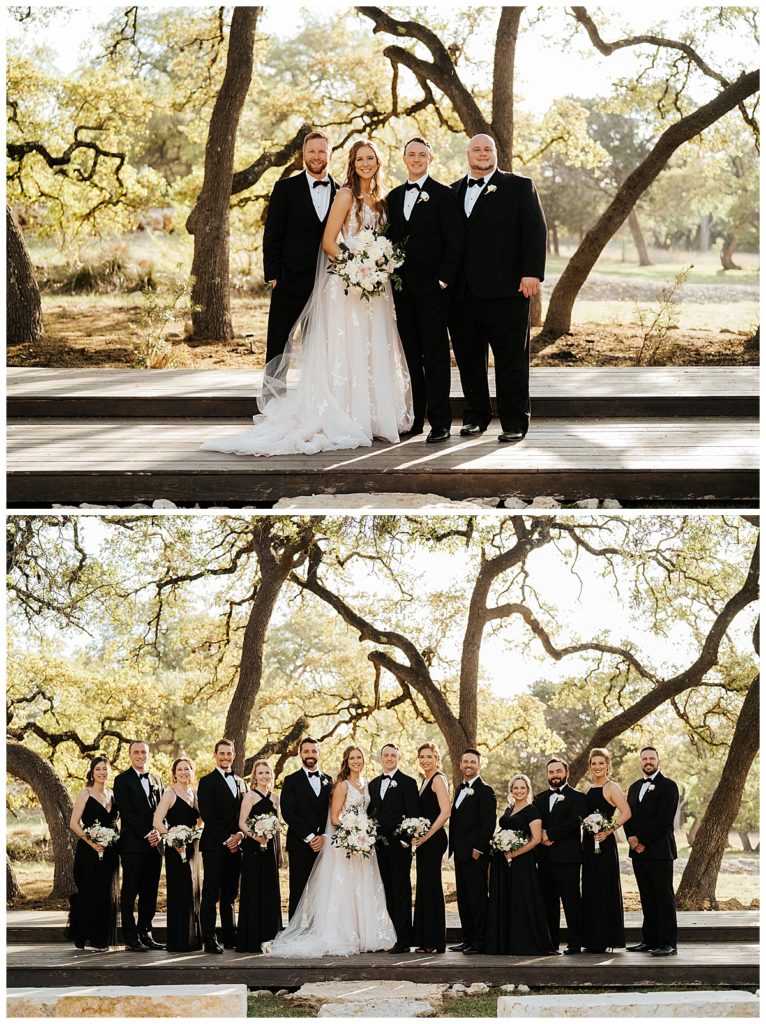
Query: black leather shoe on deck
(460,947)
(471,430)
(136,947)
(148,941)
(435,435)
(211,946)
(641,947)
(665,951)
(510,435)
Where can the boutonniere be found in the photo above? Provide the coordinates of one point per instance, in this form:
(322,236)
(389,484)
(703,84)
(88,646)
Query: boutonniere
(469,791)
(650,787)
(559,796)
(491,188)
(325,781)
(423,197)
(392,784)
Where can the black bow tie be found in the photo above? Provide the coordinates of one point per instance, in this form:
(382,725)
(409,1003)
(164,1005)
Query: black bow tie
(320,184)
(143,775)
(647,778)
(475,181)
(465,785)
(412,185)
(313,775)
(227,775)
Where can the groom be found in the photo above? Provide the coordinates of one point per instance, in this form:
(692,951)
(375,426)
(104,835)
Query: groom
(295,221)
(425,217)
(304,804)
(503,266)
(394,797)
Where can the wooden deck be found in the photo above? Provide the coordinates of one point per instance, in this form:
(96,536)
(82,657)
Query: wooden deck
(707,964)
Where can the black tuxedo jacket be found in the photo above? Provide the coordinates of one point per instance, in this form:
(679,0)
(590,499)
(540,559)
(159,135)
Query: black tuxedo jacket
(472,825)
(136,813)
(401,801)
(292,234)
(652,818)
(505,236)
(563,825)
(304,812)
(433,237)
(219,809)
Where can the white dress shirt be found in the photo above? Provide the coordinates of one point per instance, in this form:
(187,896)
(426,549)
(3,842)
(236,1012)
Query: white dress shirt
(411,196)
(463,792)
(385,782)
(144,784)
(554,793)
(320,196)
(646,784)
(229,782)
(472,194)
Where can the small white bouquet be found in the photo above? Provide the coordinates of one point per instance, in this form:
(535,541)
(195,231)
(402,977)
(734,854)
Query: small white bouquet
(369,264)
(98,833)
(414,828)
(598,822)
(356,833)
(264,826)
(508,840)
(180,836)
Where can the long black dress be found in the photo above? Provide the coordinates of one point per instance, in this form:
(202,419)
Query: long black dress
(183,889)
(516,920)
(260,903)
(93,917)
(603,921)
(429,927)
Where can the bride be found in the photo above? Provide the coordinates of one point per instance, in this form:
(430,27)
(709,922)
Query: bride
(353,382)
(343,907)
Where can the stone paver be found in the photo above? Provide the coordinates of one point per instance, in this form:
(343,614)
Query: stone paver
(215,1001)
(631,1004)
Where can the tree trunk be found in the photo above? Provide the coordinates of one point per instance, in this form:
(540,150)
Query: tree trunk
(536,310)
(23,308)
(691,835)
(553,236)
(744,838)
(13,891)
(638,239)
(559,318)
(697,888)
(209,220)
(502,83)
(705,224)
(727,252)
(38,774)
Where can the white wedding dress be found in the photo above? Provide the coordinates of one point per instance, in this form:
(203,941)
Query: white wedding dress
(353,383)
(343,907)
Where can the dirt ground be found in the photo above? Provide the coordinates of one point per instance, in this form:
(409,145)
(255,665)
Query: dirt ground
(88,332)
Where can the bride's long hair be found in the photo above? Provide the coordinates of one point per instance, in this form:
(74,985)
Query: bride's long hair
(344,770)
(353,181)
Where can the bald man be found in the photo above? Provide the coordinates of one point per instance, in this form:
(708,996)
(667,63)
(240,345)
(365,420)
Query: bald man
(503,266)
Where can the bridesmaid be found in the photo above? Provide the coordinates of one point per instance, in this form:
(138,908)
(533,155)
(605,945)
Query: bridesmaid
(429,930)
(603,921)
(516,919)
(93,918)
(178,806)
(260,902)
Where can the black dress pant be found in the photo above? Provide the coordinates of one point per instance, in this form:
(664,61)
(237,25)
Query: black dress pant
(475,325)
(561,882)
(394,862)
(220,882)
(140,879)
(472,894)
(422,324)
(284,310)
(300,861)
(658,902)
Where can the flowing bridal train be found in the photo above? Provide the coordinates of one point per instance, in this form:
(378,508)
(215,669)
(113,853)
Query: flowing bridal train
(343,907)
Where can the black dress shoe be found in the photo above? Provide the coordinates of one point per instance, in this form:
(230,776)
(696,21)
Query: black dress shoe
(572,950)
(665,951)
(414,430)
(136,947)
(211,946)
(641,947)
(148,941)
(398,949)
(437,434)
(510,435)
(471,430)
(460,947)
(472,950)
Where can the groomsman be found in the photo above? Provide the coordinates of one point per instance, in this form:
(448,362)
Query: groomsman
(304,804)
(559,856)
(295,221)
(136,793)
(219,795)
(394,797)
(653,801)
(424,215)
(472,825)
(503,266)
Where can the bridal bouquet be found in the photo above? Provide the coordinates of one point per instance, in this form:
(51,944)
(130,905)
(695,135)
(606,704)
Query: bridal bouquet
(369,264)
(356,833)
(414,828)
(98,833)
(181,836)
(507,840)
(264,826)
(598,822)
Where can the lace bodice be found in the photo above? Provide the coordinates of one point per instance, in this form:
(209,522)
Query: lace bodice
(356,799)
(370,219)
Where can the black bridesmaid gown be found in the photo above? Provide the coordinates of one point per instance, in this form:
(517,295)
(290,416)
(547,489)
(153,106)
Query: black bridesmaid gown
(429,927)
(93,915)
(516,920)
(260,903)
(603,920)
(182,881)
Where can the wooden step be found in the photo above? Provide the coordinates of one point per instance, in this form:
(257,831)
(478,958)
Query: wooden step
(574,392)
(123,460)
